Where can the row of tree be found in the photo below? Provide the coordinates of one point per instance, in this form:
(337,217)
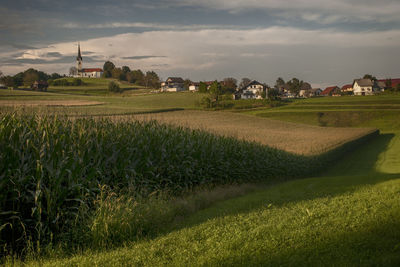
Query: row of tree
(27,78)
(148,79)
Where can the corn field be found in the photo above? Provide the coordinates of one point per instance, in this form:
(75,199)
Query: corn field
(52,168)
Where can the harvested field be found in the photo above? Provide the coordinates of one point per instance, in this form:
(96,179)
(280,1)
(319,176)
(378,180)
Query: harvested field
(48,103)
(291,137)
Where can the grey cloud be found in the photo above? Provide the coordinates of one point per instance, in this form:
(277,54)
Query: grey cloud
(13,61)
(53,54)
(143,57)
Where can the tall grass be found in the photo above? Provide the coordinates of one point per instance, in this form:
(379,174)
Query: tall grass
(52,170)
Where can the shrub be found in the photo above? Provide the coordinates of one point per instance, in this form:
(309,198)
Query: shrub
(114,87)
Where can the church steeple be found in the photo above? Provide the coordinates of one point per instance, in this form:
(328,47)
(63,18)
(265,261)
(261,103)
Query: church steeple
(79,58)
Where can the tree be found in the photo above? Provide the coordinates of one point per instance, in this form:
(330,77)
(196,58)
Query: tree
(229,85)
(114,87)
(1,74)
(107,68)
(279,82)
(73,71)
(30,76)
(152,80)
(126,69)
(273,94)
(7,81)
(136,76)
(202,87)
(244,82)
(186,84)
(215,92)
(55,76)
(117,73)
(388,84)
(370,77)
(295,86)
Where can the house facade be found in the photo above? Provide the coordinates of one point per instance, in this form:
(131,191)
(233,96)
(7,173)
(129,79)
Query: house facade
(253,90)
(40,86)
(194,87)
(365,87)
(310,92)
(347,88)
(173,84)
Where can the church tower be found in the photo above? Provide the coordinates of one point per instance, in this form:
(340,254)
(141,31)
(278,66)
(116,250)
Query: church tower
(79,59)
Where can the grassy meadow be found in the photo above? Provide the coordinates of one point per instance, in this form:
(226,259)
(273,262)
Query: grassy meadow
(199,191)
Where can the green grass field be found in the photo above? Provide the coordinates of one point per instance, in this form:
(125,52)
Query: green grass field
(347,216)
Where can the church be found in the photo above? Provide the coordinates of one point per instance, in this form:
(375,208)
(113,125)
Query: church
(89,72)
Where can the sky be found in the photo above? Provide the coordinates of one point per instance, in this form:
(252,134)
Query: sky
(323,42)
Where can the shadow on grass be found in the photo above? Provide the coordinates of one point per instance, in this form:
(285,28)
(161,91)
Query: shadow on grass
(372,246)
(353,171)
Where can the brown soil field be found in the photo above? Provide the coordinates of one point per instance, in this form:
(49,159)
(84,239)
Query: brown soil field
(48,103)
(291,137)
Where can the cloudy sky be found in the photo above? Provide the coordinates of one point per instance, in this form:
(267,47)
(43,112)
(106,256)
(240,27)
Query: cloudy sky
(324,42)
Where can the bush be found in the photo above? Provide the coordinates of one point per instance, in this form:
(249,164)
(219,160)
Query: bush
(114,87)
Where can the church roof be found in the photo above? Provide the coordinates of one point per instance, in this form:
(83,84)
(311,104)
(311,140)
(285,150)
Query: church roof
(79,57)
(92,70)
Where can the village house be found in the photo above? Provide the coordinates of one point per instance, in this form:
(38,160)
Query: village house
(194,87)
(365,87)
(331,91)
(173,84)
(393,83)
(40,86)
(86,73)
(347,89)
(253,90)
(312,92)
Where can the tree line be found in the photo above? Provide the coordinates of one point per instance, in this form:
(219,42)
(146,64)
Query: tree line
(150,79)
(27,78)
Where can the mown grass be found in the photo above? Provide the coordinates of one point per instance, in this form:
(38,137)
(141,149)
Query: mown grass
(112,104)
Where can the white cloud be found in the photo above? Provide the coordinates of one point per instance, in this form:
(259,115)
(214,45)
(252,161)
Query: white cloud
(218,53)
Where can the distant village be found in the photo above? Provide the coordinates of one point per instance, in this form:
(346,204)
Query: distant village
(256,90)
(247,89)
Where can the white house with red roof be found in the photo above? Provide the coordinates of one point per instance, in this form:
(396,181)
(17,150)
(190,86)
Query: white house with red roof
(88,72)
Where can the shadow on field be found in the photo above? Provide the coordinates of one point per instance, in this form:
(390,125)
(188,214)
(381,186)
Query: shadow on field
(353,171)
(328,249)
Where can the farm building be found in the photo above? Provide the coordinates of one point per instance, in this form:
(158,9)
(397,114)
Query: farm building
(173,84)
(331,91)
(365,87)
(193,87)
(393,83)
(347,88)
(87,73)
(39,86)
(253,90)
(310,92)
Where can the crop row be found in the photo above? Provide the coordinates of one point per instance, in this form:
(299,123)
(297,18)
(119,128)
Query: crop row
(52,168)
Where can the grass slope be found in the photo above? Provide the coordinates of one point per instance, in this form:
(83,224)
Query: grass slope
(337,219)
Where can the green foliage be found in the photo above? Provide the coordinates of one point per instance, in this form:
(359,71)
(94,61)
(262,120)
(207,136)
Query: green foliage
(114,87)
(51,168)
(202,87)
(66,82)
(151,80)
(136,76)
(295,86)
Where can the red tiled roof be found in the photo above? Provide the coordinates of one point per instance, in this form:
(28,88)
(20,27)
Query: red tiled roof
(347,86)
(328,90)
(395,82)
(92,70)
